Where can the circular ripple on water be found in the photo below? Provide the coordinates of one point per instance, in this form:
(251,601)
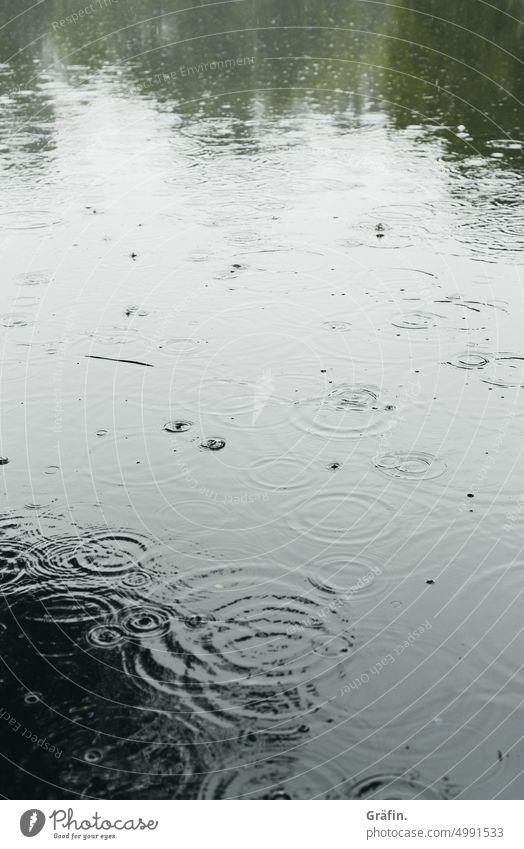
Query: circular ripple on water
(487,228)
(178,426)
(95,555)
(93,756)
(196,255)
(39,501)
(468,315)
(76,606)
(294,775)
(340,326)
(191,695)
(410,465)
(34,278)
(357,517)
(263,639)
(181,347)
(389,227)
(348,411)
(145,622)
(132,460)
(115,336)
(494,234)
(27,219)
(243,238)
(416,320)
(26,301)
(194,517)
(222,132)
(470,360)
(243,404)
(213,443)
(350,576)
(105,636)
(404,213)
(14,320)
(506,370)
(402,284)
(17,564)
(394,787)
(353,397)
(245,650)
(164,769)
(265,779)
(184,180)
(136,579)
(282,473)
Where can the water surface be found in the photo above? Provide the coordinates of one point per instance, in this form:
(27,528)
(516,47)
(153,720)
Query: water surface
(261,399)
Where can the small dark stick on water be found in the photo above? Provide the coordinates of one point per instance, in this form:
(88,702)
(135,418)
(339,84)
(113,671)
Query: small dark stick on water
(117,360)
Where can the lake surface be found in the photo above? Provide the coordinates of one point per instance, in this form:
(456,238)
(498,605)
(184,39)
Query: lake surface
(262,398)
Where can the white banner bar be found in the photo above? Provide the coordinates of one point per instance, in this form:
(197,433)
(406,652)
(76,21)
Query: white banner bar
(259,825)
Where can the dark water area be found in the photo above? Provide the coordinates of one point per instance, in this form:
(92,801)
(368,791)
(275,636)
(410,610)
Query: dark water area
(262,405)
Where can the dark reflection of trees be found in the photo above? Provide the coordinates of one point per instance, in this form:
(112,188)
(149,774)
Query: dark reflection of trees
(422,61)
(466,72)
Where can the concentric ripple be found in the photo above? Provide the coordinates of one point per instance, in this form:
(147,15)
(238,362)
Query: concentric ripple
(14,320)
(287,776)
(214,443)
(182,346)
(470,360)
(105,636)
(27,219)
(260,639)
(394,226)
(145,622)
(242,648)
(34,278)
(410,465)
(94,555)
(340,326)
(69,607)
(115,336)
(242,403)
(353,398)
(506,370)
(349,576)
(132,460)
(394,787)
(348,411)
(357,517)
(16,565)
(402,284)
(284,472)
(416,320)
(178,426)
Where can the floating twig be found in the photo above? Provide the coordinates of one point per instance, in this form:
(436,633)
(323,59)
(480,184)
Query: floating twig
(117,360)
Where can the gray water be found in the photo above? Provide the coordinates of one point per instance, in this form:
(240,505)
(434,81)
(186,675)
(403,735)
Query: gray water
(261,399)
